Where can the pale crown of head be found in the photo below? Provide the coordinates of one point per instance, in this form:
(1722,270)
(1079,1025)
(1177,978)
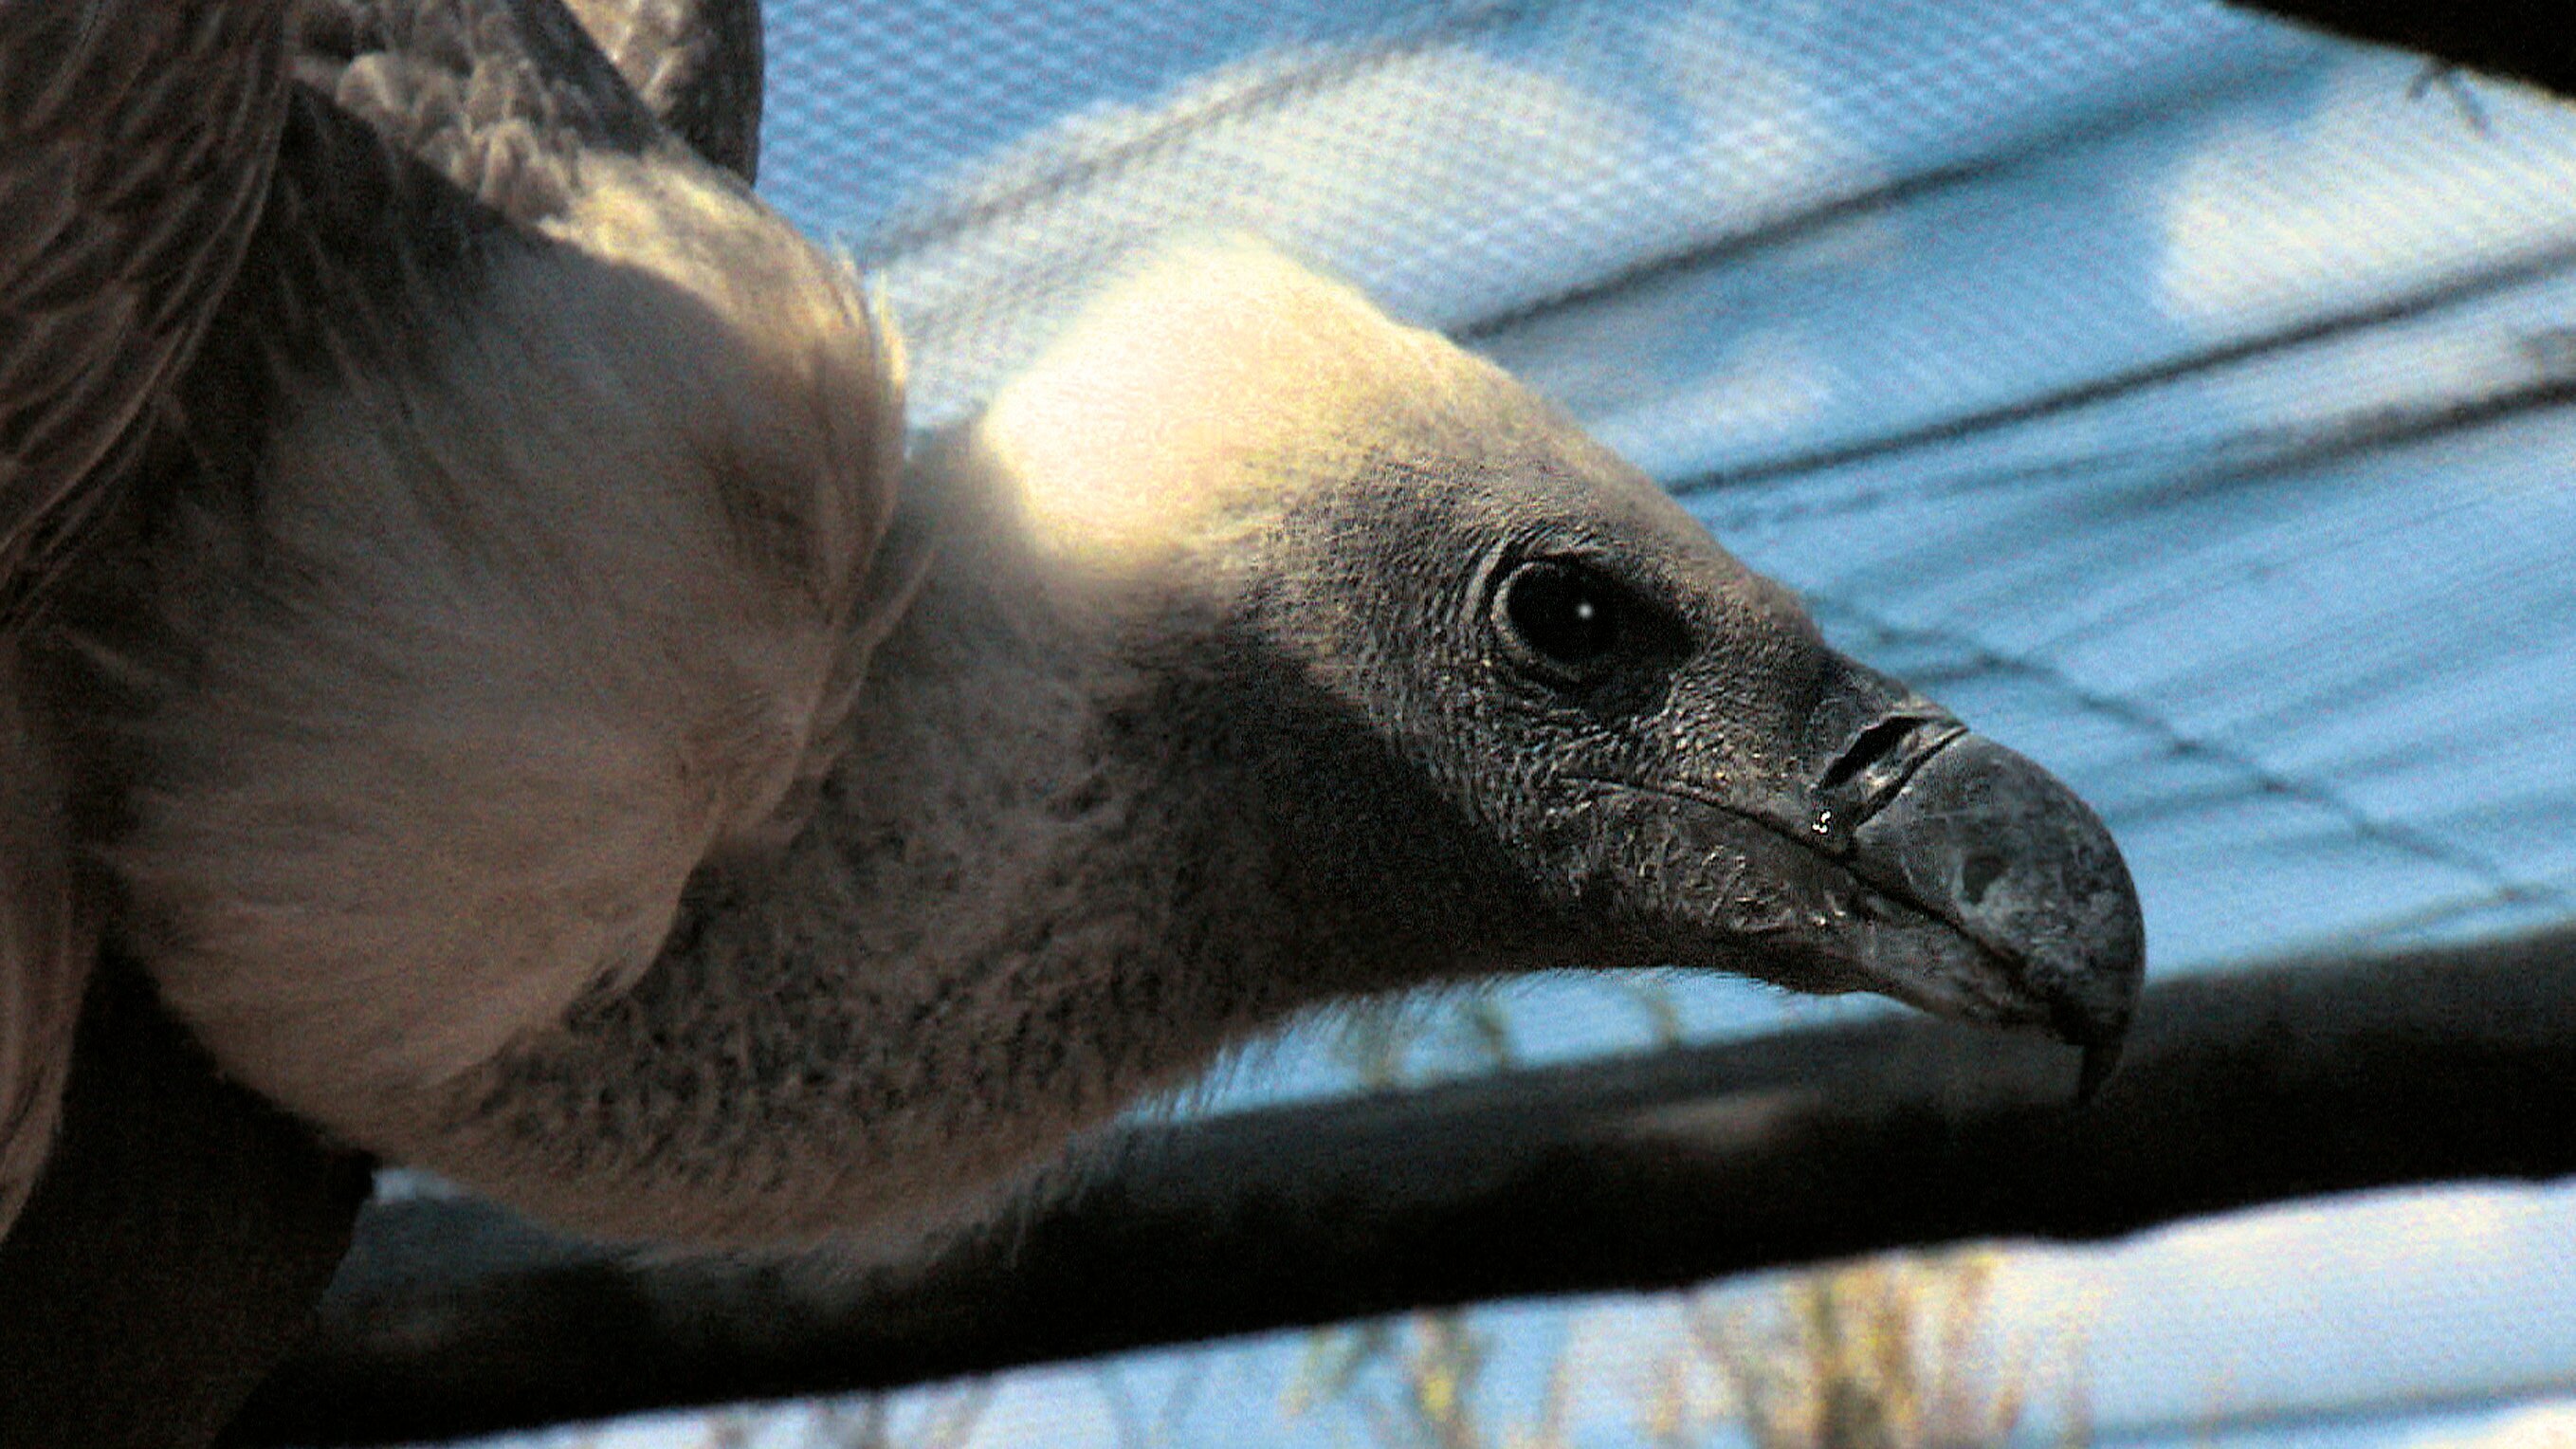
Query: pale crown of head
(1196,400)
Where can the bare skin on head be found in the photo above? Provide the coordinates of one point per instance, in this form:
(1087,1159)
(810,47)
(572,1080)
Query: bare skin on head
(566,748)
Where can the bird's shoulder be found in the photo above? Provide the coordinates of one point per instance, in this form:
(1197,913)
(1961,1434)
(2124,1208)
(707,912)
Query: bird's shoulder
(502,98)
(530,539)
(136,143)
(696,63)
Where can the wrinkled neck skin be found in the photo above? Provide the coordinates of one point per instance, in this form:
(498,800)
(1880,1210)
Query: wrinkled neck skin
(1063,865)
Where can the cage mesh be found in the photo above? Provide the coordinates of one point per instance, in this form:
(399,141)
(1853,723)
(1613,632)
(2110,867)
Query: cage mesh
(2180,394)
(2181,398)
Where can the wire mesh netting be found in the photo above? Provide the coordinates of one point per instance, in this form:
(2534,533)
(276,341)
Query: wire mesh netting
(2177,394)
(2181,398)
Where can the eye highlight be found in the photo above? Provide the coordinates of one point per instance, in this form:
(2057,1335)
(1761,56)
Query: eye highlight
(1560,614)
(1572,625)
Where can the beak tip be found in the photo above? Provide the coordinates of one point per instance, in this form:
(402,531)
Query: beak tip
(2093,1006)
(2101,1059)
(1985,839)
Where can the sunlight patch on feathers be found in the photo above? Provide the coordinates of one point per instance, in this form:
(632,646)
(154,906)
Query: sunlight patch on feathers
(1196,399)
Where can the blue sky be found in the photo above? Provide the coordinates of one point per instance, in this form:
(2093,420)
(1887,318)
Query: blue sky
(2084,362)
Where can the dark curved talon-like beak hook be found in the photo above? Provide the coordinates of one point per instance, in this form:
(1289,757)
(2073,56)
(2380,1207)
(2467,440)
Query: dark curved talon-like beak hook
(1981,838)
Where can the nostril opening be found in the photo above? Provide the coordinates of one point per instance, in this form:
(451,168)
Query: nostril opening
(1874,745)
(1977,875)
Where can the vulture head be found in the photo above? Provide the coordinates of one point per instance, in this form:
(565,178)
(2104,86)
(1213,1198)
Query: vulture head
(1502,703)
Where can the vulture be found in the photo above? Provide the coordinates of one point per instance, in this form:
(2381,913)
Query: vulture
(482,642)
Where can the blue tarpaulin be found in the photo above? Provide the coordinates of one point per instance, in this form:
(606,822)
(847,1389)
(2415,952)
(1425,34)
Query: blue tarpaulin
(2177,396)
(2181,398)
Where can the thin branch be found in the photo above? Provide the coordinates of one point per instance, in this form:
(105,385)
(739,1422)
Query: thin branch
(1644,1173)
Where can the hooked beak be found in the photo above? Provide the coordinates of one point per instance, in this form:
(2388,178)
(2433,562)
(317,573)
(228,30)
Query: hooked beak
(1994,847)
(1906,856)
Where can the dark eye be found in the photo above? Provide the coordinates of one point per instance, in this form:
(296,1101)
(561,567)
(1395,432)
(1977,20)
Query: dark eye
(1567,620)
(1562,614)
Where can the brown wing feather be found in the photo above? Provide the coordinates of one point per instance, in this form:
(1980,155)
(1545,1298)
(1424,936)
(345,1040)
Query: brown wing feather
(136,140)
(498,96)
(46,944)
(696,63)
